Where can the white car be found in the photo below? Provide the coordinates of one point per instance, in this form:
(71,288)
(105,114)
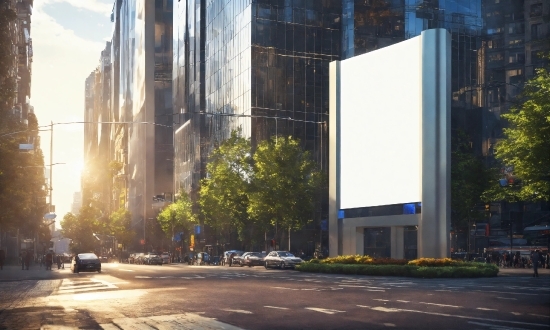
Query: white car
(165,258)
(281,259)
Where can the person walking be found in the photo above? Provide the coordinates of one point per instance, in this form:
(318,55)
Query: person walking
(28,258)
(535,258)
(22,258)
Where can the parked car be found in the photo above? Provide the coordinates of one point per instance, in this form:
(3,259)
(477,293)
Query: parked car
(165,257)
(227,255)
(85,262)
(281,259)
(252,259)
(152,259)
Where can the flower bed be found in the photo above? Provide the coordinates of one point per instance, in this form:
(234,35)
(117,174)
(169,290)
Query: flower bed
(424,267)
(364,260)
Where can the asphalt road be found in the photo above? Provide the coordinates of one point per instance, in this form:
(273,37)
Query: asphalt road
(215,297)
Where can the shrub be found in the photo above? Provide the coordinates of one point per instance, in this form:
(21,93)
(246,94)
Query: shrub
(433,262)
(366,260)
(474,270)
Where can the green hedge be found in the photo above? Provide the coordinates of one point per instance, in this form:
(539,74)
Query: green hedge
(467,270)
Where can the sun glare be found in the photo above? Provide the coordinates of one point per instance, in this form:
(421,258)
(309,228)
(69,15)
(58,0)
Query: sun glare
(78,166)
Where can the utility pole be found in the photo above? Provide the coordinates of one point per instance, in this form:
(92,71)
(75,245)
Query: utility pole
(51,165)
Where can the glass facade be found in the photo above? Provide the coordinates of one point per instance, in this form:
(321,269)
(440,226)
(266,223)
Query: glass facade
(145,40)
(260,66)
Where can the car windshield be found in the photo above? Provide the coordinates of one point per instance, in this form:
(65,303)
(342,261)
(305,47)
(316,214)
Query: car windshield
(87,256)
(285,254)
(255,254)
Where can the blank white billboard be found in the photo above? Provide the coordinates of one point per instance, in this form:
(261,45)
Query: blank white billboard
(380,126)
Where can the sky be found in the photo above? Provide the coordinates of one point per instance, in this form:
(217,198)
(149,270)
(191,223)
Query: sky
(68,37)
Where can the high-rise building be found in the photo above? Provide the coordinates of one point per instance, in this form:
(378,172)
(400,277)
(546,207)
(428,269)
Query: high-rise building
(97,135)
(258,66)
(262,66)
(143,142)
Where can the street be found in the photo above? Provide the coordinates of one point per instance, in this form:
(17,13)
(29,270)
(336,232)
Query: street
(178,296)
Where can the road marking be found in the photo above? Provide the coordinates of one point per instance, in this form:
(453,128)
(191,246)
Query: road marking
(443,290)
(142,276)
(363,306)
(242,311)
(385,309)
(389,324)
(323,310)
(516,313)
(390,310)
(506,298)
(494,326)
(275,307)
(486,309)
(370,290)
(539,315)
(403,301)
(523,293)
(380,299)
(280,287)
(440,305)
(125,270)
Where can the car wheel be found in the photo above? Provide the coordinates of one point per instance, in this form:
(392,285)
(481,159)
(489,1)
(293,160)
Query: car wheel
(99,270)
(266,266)
(282,265)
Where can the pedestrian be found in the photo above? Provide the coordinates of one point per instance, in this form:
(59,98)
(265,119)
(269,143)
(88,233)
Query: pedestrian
(28,258)
(2,258)
(535,258)
(49,260)
(22,257)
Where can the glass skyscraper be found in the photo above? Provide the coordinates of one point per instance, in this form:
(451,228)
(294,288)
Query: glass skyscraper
(262,66)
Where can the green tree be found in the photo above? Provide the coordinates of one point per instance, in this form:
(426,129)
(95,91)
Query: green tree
(469,178)
(178,217)
(81,229)
(285,183)
(120,226)
(224,192)
(526,145)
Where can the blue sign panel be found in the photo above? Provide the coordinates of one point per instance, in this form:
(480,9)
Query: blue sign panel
(197,229)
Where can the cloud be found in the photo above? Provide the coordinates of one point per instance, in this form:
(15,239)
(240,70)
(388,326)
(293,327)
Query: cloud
(90,5)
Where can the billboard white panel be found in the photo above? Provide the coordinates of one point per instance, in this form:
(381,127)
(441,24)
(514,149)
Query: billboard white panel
(380,126)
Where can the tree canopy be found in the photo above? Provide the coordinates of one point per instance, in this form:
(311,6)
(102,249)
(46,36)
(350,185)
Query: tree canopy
(285,182)
(224,192)
(526,145)
(469,178)
(178,217)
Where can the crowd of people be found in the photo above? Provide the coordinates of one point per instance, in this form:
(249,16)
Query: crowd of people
(536,259)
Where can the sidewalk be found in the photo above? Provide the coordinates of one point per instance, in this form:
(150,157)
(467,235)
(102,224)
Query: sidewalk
(523,272)
(35,272)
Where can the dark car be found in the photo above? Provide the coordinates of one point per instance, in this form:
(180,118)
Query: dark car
(152,259)
(281,259)
(252,259)
(86,262)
